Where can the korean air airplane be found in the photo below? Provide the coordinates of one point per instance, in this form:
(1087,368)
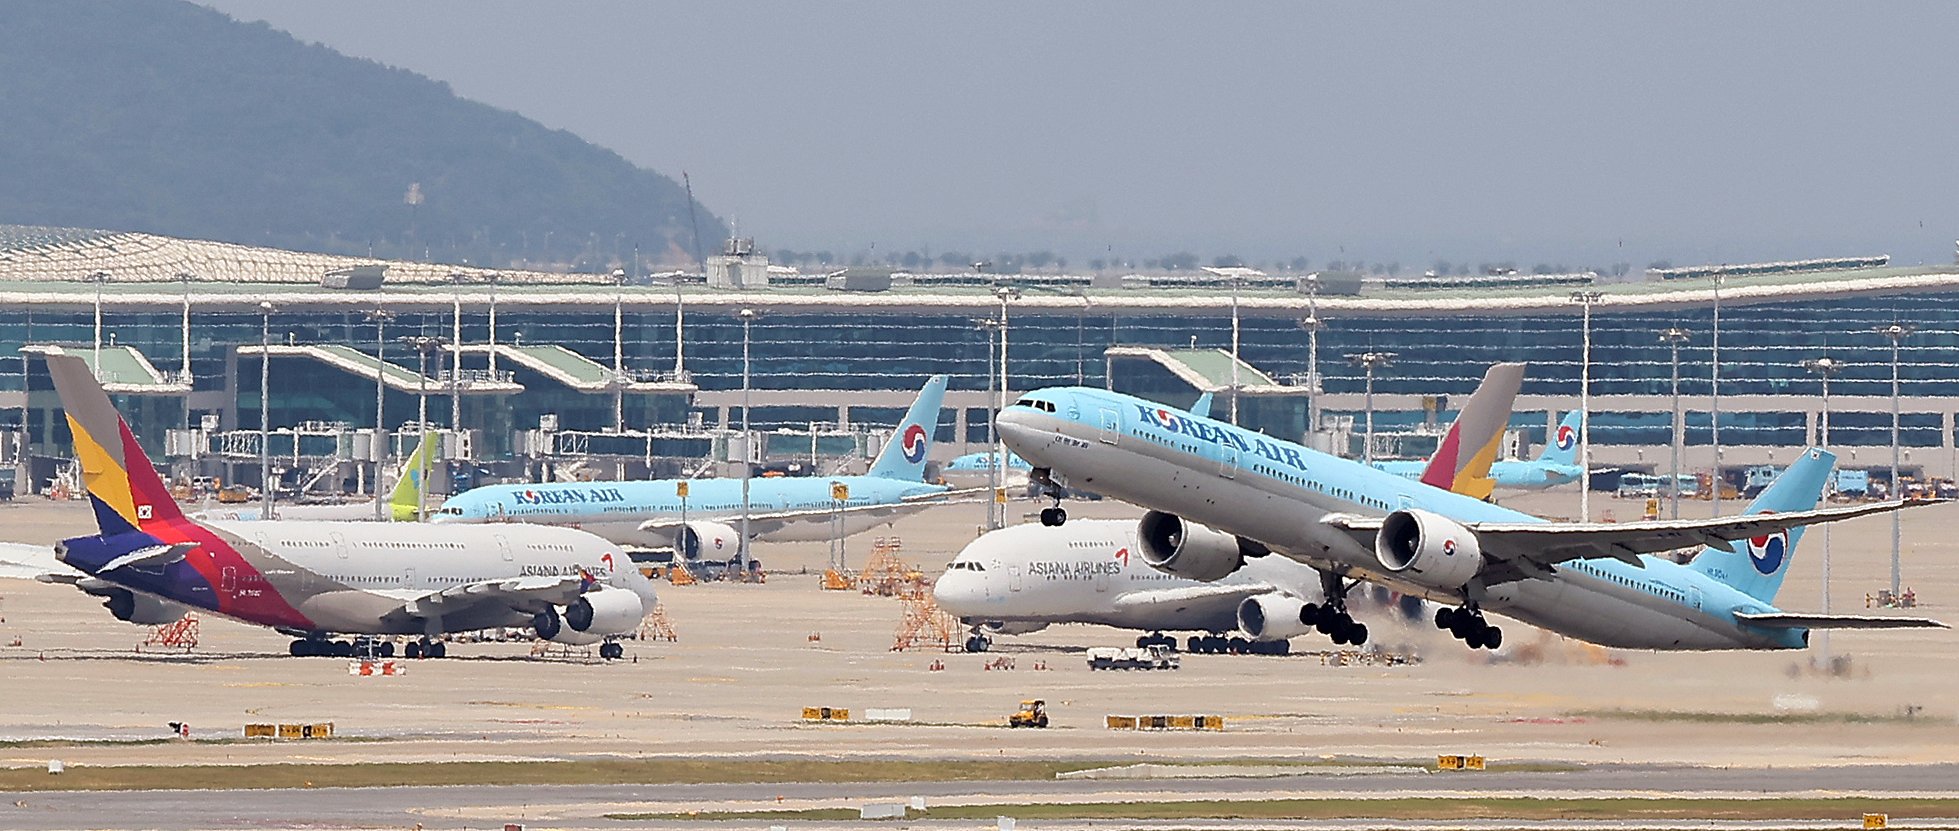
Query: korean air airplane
(1219,496)
(1557,465)
(316,579)
(1025,578)
(702,525)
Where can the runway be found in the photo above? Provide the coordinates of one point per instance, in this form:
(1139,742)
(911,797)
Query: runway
(579,807)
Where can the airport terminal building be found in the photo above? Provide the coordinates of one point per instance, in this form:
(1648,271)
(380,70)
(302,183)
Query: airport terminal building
(540,373)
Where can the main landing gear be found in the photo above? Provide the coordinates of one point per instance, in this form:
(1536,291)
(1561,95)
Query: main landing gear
(977,641)
(318,646)
(612,650)
(1332,618)
(1156,639)
(1056,516)
(1467,625)
(425,648)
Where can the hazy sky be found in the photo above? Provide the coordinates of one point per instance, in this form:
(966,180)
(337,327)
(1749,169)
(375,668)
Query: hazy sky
(1584,133)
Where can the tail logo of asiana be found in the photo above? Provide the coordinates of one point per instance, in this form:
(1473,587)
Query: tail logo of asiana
(1766,552)
(1566,437)
(914,444)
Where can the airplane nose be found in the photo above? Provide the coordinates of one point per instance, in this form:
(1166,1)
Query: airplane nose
(953,592)
(1016,429)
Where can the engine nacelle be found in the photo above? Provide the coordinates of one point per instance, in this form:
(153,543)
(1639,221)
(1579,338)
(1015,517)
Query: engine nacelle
(141,609)
(1428,549)
(606,612)
(707,540)
(1271,617)
(1174,545)
(551,626)
(1020,627)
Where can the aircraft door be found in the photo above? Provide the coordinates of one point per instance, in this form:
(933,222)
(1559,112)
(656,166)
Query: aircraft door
(1694,597)
(1228,463)
(503,547)
(1013,578)
(1111,426)
(1102,578)
(339,544)
(408,578)
(228,580)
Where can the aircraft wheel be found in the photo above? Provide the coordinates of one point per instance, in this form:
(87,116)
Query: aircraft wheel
(1144,641)
(413,650)
(1194,645)
(1281,648)
(1492,638)
(1473,639)
(612,651)
(340,649)
(1357,634)
(1309,613)
(437,649)
(1445,618)
(298,649)
(1240,646)
(388,650)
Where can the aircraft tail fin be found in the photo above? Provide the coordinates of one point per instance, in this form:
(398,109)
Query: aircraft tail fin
(406,498)
(122,485)
(1756,566)
(903,456)
(1462,461)
(1202,406)
(1562,449)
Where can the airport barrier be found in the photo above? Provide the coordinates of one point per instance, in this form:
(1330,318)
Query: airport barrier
(887,714)
(1459,762)
(289,731)
(1165,722)
(1876,822)
(826,714)
(373,667)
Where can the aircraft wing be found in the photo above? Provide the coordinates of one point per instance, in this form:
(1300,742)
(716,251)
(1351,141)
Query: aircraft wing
(1517,550)
(762,522)
(531,593)
(1222,594)
(1796,620)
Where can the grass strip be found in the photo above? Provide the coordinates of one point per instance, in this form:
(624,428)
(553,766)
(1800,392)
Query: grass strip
(1424,808)
(596,772)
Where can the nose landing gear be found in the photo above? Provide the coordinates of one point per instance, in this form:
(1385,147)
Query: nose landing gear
(1043,478)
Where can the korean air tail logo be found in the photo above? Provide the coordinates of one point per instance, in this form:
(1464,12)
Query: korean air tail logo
(1767,552)
(1567,437)
(913,444)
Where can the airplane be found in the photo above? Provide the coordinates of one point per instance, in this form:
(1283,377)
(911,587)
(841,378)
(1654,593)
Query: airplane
(980,465)
(314,579)
(1557,465)
(1022,579)
(1219,495)
(702,527)
(403,505)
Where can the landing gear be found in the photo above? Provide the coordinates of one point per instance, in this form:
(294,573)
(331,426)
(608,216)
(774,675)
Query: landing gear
(612,650)
(1157,639)
(978,641)
(425,648)
(1467,625)
(1056,516)
(1332,618)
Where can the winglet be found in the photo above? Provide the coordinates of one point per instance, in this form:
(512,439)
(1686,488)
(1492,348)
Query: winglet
(1462,461)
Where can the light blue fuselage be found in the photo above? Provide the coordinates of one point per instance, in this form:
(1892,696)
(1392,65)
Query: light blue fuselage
(1276,492)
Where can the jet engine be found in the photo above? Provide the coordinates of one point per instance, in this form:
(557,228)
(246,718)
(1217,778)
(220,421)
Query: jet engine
(1000,627)
(551,626)
(1272,617)
(1174,545)
(606,612)
(141,609)
(701,539)
(1428,549)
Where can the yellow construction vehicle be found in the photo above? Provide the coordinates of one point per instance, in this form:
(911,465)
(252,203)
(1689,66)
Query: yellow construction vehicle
(1033,713)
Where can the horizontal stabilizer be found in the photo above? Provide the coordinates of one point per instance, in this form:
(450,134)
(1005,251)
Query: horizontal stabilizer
(1794,620)
(149,557)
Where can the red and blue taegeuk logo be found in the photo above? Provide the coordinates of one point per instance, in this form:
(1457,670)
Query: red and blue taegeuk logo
(1567,437)
(913,444)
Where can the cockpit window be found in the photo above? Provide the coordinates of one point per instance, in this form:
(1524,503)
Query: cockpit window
(1036,403)
(964,565)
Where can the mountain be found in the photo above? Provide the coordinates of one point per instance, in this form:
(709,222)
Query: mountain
(167,117)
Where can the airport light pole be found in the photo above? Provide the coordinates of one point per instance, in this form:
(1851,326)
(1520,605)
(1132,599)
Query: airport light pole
(1824,368)
(1585,298)
(989,326)
(1234,347)
(619,350)
(1312,324)
(380,318)
(1714,407)
(747,316)
(1896,333)
(1370,361)
(98,278)
(1006,294)
(266,487)
(1673,338)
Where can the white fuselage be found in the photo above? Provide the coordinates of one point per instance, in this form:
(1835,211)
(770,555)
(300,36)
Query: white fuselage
(1092,571)
(1111,451)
